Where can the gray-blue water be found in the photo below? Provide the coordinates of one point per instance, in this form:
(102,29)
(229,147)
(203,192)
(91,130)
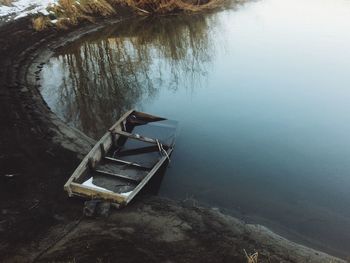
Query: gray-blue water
(262,94)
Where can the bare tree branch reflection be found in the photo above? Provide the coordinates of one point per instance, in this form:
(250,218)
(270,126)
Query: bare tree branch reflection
(105,74)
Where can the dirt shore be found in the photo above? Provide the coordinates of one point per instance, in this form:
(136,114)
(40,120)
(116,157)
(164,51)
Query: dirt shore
(38,152)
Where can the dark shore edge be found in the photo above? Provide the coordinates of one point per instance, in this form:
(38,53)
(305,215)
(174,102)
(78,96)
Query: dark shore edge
(41,151)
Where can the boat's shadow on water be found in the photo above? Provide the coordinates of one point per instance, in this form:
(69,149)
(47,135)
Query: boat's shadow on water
(153,186)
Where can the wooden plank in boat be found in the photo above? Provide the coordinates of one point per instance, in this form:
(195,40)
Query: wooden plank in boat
(140,150)
(164,131)
(133,173)
(147,160)
(122,161)
(135,136)
(148,177)
(119,122)
(92,193)
(144,117)
(122,176)
(93,157)
(115,184)
(118,178)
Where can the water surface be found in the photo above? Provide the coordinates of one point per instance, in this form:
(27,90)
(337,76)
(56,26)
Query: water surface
(261,92)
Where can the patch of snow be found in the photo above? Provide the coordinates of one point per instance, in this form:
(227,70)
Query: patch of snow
(22,8)
(44,12)
(89,183)
(126,194)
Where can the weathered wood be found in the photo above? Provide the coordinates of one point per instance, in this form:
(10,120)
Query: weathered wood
(103,150)
(136,151)
(150,117)
(124,162)
(117,175)
(148,177)
(93,157)
(98,152)
(76,174)
(93,193)
(138,137)
(118,123)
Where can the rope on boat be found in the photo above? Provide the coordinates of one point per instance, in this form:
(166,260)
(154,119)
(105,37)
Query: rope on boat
(162,150)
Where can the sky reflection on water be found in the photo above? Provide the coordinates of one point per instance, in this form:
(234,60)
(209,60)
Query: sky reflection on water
(262,95)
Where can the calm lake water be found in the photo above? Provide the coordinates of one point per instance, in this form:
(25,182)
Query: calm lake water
(262,94)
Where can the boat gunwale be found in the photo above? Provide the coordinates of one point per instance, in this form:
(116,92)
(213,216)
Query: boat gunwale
(95,156)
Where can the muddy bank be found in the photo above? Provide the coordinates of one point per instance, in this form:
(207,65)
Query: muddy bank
(38,152)
(156,230)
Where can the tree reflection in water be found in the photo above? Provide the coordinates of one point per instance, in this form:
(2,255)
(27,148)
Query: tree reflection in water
(91,82)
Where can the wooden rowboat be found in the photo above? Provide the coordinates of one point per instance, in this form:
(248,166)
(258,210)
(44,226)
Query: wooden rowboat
(124,159)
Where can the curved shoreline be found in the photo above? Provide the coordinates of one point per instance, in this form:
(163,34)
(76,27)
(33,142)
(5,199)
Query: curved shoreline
(45,150)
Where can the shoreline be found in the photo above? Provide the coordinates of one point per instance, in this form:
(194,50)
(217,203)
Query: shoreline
(41,151)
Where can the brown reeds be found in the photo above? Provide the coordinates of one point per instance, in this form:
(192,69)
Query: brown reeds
(40,23)
(251,258)
(6,2)
(171,6)
(71,12)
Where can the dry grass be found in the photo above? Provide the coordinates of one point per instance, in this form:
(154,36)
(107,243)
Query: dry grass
(171,6)
(71,12)
(6,2)
(40,23)
(251,258)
